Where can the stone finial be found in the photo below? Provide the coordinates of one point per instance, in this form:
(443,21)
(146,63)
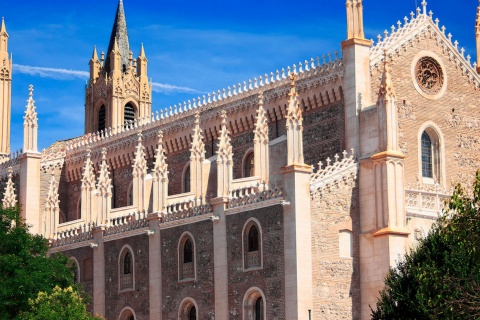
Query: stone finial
(261,124)
(294,126)
(9,197)
(139,164)
(160,166)
(104,183)
(198,147)
(30,124)
(224,151)
(88,177)
(386,86)
(52,202)
(355,19)
(294,112)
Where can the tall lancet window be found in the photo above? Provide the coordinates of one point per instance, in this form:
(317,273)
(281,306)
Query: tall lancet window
(129,114)
(101,118)
(427,152)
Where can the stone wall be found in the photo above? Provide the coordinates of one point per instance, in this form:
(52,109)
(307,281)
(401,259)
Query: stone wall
(270,279)
(137,299)
(84,256)
(336,279)
(202,288)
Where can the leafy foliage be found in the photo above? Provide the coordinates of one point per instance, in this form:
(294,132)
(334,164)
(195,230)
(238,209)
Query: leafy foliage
(60,304)
(440,278)
(25,268)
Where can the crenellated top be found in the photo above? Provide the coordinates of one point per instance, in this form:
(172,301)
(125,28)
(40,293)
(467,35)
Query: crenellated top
(319,71)
(420,22)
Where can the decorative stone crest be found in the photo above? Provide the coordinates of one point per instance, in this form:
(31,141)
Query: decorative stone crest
(139,164)
(9,197)
(88,179)
(429,75)
(160,166)
(104,184)
(224,151)
(294,125)
(198,147)
(30,125)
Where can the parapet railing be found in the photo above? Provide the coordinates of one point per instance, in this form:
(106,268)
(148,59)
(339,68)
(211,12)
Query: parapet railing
(134,221)
(320,65)
(333,171)
(426,204)
(75,233)
(186,209)
(253,194)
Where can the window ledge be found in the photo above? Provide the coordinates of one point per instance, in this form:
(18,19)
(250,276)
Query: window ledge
(252,269)
(428,180)
(187,280)
(126,290)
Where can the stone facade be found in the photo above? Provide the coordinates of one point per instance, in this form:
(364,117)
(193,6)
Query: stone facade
(313,234)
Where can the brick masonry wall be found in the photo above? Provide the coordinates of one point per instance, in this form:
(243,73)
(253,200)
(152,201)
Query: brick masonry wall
(202,289)
(271,278)
(336,280)
(176,165)
(456,113)
(69,194)
(137,299)
(121,180)
(323,132)
(84,256)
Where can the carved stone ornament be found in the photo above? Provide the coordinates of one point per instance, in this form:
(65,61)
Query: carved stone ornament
(429,75)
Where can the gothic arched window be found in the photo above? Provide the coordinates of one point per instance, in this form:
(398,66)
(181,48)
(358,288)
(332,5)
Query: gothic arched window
(188,310)
(126,269)
(254,304)
(186,258)
(186,180)
(427,164)
(259,309)
(192,314)
(249,166)
(252,245)
(128,114)
(101,118)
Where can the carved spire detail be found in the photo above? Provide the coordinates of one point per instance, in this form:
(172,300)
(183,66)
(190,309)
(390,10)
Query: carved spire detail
(88,177)
(139,164)
(224,151)
(355,19)
(9,197)
(387,112)
(30,125)
(161,166)
(104,184)
(198,147)
(160,177)
(260,143)
(224,160)
(294,125)
(52,202)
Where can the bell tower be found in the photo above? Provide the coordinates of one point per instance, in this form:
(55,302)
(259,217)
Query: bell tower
(5,92)
(118,91)
(477,36)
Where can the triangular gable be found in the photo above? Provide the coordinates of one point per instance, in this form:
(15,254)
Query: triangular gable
(416,27)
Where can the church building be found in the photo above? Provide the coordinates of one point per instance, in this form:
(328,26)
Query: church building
(288,196)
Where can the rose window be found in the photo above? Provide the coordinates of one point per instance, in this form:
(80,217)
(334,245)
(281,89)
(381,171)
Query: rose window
(429,75)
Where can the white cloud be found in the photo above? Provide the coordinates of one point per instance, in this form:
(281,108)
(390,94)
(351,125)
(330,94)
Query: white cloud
(168,88)
(67,74)
(55,73)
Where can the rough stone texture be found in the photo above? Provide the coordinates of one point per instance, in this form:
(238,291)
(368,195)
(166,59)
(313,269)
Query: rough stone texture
(202,289)
(84,256)
(336,280)
(121,181)
(241,143)
(323,132)
(176,165)
(270,279)
(137,299)
(69,194)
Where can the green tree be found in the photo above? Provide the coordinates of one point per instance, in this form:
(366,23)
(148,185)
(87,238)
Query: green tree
(25,268)
(439,278)
(60,304)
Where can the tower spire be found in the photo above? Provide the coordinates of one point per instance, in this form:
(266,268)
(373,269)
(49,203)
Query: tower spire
(355,19)
(477,36)
(119,33)
(5,91)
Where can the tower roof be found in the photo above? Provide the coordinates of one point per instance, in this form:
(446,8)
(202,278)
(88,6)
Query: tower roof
(119,33)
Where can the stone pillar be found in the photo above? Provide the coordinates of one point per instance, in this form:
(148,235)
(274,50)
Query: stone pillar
(104,193)
(197,156)
(88,201)
(139,173)
(297,241)
(30,189)
(220,258)
(98,271)
(260,142)
(160,177)
(224,160)
(155,267)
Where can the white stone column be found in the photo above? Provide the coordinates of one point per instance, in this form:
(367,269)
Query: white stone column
(297,241)
(224,160)
(220,258)
(160,177)
(155,267)
(197,156)
(260,143)
(98,271)
(139,173)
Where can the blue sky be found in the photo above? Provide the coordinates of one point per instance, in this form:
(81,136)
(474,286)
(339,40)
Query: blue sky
(193,47)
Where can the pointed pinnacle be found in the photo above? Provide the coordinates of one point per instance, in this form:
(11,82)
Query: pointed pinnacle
(115,46)
(3,28)
(142,52)
(95,55)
